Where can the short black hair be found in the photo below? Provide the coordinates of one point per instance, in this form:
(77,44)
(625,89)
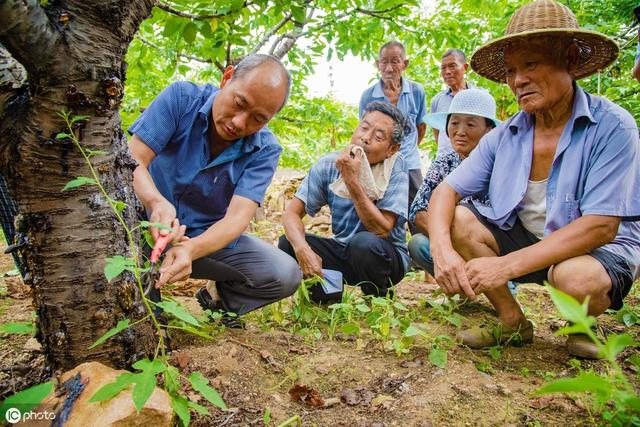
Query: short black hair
(400,125)
(457,53)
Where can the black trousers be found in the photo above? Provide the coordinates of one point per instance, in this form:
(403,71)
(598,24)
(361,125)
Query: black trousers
(368,261)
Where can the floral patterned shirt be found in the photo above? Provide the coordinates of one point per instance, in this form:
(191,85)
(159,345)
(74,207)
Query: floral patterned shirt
(437,172)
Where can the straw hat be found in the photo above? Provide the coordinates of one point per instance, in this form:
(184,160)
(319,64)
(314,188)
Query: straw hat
(546,18)
(472,102)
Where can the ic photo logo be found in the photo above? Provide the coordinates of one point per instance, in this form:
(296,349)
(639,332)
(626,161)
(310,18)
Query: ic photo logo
(13,415)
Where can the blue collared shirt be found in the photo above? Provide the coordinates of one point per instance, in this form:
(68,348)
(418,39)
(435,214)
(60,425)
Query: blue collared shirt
(314,192)
(595,171)
(412,104)
(175,127)
(441,103)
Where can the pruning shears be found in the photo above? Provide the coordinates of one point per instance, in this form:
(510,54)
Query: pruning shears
(152,276)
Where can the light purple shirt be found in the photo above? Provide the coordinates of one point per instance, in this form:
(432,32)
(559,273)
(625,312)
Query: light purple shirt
(595,171)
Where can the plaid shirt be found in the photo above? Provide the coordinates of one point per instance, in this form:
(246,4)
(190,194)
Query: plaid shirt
(314,193)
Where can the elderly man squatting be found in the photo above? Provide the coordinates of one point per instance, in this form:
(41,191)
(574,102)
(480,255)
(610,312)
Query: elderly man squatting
(409,97)
(561,176)
(369,246)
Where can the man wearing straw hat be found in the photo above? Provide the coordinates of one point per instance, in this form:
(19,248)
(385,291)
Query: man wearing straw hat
(561,176)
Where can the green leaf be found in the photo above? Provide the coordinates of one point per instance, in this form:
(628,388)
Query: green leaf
(398,305)
(298,13)
(181,406)
(585,381)
(495,352)
(201,385)
(363,308)
(63,135)
(19,328)
(28,399)
(79,181)
(172,379)
(121,326)
(144,385)
(412,331)
(616,344)
(119,205)
(438,357)
(110,390)
(198,408)
(189,33)
(156,365)
(351,328)
(455,319)
(178,311)
(92,153)
(114,267)
(266,417)
(571,309)
(79,118)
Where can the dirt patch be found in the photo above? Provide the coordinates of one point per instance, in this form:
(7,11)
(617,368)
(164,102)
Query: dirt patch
(364,383)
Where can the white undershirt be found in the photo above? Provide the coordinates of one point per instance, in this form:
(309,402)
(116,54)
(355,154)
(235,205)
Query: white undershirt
(533,208)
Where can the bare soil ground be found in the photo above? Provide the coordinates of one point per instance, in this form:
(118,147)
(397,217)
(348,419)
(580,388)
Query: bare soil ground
(255,368)
(360,382)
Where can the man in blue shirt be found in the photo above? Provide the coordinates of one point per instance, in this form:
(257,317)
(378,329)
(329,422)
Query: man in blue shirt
(562,177)
(205,161)
(453,67)
(369,246)
(409,98)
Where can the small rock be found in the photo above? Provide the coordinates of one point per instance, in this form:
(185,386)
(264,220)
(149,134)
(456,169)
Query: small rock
(349,396)
(322,370)
(503,391)
(118,411)
(32,345)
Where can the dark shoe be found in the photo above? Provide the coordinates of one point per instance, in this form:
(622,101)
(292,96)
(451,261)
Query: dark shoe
(580,345)
(230,320)
(489,336)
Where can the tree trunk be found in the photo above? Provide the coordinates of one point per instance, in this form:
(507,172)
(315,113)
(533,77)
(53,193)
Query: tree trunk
(73,54)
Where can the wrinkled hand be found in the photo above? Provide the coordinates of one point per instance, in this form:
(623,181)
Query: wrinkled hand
(348,164)
(165,214)
(176,265)
(310,262)
(451,275)
(486,273)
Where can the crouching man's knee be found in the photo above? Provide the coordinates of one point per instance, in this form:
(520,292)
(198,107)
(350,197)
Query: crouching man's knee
(583,277)
(288,276)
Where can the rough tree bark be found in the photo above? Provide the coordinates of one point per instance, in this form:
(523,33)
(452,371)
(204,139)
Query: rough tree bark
(73,53)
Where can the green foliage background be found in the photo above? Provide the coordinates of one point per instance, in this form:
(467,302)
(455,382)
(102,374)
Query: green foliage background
(193,40)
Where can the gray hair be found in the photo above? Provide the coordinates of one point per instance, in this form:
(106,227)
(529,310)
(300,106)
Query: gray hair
(400,125)
(255,60)
(393,43)
(457,53)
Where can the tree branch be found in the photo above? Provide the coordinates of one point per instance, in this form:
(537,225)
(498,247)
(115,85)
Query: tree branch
(179,54)
(375,13)
(285,42)
(173,11)
(27,33)
(271,32)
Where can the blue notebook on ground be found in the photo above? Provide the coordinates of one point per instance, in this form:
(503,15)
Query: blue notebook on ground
(332,281)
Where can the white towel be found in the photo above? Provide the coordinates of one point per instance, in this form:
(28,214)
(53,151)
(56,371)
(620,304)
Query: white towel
(374,179)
